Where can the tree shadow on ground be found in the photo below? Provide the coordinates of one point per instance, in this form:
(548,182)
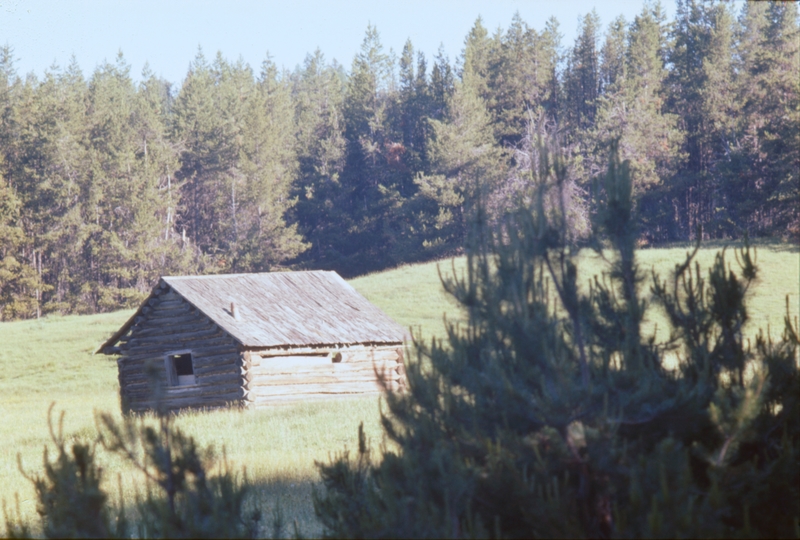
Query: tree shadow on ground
(289,500)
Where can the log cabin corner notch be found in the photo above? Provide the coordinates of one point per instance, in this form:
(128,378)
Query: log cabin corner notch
(256,339)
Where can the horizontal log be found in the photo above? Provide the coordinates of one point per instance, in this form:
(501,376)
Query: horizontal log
(227,359)
(176,318)
(164,304)
(265,402)
(169,312)
(197,335)
(219,379)
(131,357)
(128,378)
(173,392)
(138,388)
(141,377)
(209,347)
(201,365)
(168,294)
(284,351)
(362,356)
(128,342)
(204,356)
(298,362)
(157,319)
(339,388)
(222,393)
(305,379)
(217,367)
(207,351)
(199,324)
(324,349)
(301,375)
(257,359)
(139,371)
(295,360)
(186,318)
(292,362)
(327,368)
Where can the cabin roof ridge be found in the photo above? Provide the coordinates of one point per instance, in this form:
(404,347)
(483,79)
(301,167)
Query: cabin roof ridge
(271,309)
(223,276)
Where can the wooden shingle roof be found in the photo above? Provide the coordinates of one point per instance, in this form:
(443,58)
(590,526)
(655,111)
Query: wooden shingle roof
(283,309)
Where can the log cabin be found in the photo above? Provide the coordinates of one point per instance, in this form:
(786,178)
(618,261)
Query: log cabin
(255,340)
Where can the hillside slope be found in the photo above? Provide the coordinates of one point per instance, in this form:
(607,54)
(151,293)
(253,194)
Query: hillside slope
(51,360)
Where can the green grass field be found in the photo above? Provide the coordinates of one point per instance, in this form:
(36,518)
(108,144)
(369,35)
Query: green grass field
(50,360)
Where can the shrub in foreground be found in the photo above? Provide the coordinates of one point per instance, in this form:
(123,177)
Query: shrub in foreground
(182,499)
(551,414)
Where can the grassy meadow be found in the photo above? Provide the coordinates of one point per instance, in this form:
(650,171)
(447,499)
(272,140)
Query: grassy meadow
(50,360)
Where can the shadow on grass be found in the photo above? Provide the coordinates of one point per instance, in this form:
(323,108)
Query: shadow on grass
(285,500)
(773,244)
(784,247)
(292,499)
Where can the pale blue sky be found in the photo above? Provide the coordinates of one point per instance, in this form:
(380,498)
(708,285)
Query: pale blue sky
(166,33)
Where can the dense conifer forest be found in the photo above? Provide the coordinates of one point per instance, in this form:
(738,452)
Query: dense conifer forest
(107,182)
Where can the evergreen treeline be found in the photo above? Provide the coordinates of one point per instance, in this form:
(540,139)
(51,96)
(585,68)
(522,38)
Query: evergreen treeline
(106,183)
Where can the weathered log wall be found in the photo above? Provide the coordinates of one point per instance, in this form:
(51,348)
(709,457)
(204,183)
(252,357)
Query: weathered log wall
(224,373)
(283,375)
(169,324)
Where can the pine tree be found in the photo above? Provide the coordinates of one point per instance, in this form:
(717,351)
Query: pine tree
(764,157)
(200,130)
(238,165)
(158,163)
(413,112)
(552,55)
(10,89)
(20,284)
(476,59)
(320,210)
(71,501)
(189,493)
(466,164)
(48,171)
(128,242)
(268,169)
(581,77)
(551,413)
(522,64)
(632,113)
(374,180)
(442,85)
(700,91)
(612,56)
(719,111)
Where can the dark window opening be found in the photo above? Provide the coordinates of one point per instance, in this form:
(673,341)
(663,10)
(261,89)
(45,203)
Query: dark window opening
(337,358)
(181,369)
